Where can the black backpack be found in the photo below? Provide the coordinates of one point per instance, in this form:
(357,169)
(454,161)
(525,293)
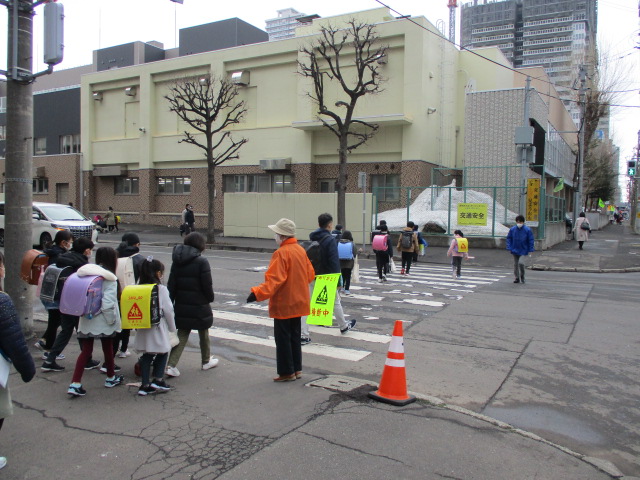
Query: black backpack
(53,281)
(407,239)
(314,253)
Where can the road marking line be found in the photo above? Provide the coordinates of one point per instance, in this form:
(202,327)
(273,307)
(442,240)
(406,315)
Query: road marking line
(332,332)
(339,353)
(416,301)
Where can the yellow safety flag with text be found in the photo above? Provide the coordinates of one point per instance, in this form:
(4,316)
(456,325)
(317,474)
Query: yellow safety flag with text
(135,306)
(463,245)
(322,299)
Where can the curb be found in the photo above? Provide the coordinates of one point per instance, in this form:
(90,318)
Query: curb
(351,383)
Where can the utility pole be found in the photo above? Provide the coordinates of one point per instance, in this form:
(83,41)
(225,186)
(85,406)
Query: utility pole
(527,129)
(577,196)
(19,143)
(633,200)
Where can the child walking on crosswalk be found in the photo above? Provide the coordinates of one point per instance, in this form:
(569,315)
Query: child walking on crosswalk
(458,250)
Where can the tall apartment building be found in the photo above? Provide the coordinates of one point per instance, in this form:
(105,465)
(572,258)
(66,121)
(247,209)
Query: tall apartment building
(558,35)
(284,25)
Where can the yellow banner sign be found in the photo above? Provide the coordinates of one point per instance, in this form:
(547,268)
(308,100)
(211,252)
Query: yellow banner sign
(472,214)
(135,306)
(533,201)
(322,299)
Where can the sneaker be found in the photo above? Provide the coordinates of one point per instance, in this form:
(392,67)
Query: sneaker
(40,345)
(352,323)
(76,391)
(124,354)
(285,378)
(305,340)
(103,368)
(380,280)
(347,292)
(148,390)
(517,280)
(522,280)
(51,367)
(114,382)
(172,372)
(402,272)
(91,364)
(161,386)
(458,276)
(210,364)
(3,462)
(384,278)
(59,357)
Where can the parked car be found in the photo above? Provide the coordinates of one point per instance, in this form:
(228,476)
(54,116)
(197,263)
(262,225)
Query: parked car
(48,218)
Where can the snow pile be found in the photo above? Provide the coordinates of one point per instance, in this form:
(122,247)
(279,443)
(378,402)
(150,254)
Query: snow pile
(422,211)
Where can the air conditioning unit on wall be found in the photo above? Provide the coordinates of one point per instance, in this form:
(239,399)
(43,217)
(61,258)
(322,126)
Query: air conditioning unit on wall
(275,164)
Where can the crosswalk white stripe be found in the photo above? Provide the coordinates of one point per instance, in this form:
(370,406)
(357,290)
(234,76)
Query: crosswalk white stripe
(441,273)
(332,332)
(416,301)
(412,279)
(339,353)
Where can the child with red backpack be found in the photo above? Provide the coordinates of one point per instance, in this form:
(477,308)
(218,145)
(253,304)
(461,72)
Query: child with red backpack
(102,324)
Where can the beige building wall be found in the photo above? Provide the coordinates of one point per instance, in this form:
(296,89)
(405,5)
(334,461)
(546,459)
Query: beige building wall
(420,113)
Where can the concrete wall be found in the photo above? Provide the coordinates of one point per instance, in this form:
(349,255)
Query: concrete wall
(248,214)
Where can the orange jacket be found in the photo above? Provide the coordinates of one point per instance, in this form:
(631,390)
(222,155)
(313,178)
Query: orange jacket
(287,282)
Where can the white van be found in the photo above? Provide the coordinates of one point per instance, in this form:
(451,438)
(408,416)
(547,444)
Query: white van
(48,218)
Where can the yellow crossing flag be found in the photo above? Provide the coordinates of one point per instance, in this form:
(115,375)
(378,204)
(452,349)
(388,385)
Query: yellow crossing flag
(135,306)
(322,299)
(560,185)
(600,203)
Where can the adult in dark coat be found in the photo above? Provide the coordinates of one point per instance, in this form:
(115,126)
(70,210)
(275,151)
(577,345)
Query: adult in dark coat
(14,348)
(74,258)
(191,290)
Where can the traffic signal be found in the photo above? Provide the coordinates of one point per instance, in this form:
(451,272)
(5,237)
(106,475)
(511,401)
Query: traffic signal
(631,168)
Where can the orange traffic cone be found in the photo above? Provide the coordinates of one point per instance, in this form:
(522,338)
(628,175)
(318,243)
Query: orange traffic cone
(393,385)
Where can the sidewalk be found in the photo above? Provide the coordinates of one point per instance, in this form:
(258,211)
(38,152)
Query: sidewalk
(614,249)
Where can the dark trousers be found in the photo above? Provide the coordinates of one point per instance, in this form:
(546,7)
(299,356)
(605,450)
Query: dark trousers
(382,259)
(456,263)
(407,257)
(189,227)
(346,277)
(53,323)
(67,324)
(121,340)
(85,356)
(288,348)
(159,361)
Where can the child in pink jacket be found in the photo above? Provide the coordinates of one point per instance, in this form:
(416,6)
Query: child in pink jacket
(455,253)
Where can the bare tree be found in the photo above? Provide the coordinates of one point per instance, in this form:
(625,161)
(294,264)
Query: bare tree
(351,57)
(208,104)
(600,176)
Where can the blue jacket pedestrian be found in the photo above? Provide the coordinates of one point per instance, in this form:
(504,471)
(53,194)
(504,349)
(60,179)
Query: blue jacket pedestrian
(520,244)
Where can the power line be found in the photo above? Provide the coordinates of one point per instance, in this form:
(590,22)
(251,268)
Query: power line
(408,18)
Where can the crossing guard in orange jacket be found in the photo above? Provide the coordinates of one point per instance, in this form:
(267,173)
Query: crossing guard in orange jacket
(286,286)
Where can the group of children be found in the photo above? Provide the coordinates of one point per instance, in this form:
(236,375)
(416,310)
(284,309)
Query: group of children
(117,270)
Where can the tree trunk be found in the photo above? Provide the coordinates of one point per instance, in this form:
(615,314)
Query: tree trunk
(342,181)
(211,189)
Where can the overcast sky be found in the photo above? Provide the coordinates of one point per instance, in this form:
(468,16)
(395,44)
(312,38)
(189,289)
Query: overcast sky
(93,24)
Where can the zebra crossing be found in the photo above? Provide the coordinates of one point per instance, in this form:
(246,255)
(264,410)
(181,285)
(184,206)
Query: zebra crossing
(427,287)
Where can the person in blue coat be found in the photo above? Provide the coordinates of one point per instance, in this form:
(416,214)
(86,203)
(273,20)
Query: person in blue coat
(520,244)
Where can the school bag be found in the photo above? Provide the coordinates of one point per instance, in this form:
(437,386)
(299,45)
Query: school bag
(124,271)
(82,296)
(463,245)
(407,240)
(52,282)
(140,306)
(314,253)
(345,250)
(379,243)
(34,263)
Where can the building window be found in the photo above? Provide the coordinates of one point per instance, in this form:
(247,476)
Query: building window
(70,143)
(40,146)
(3,132)
(280,182)
(327,185)
(126,186)
(3,104)
(40,185)
(174,185)
(386,187)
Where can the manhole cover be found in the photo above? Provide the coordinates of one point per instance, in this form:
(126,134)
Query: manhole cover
(338,383)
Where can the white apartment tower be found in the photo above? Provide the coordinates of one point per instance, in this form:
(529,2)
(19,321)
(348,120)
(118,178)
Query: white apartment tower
(284,25)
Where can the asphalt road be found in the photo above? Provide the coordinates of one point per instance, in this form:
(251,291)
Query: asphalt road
(557,357)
